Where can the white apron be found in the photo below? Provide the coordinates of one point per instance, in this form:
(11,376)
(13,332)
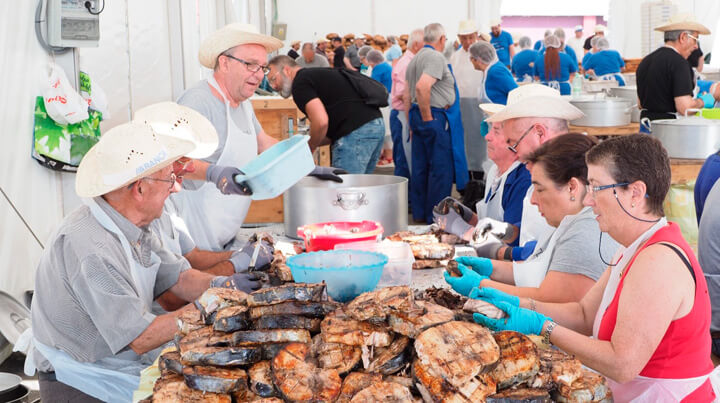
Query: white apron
(533,225)
(212,217)
(531,272)
(641,389)
(119,376)
(493,208)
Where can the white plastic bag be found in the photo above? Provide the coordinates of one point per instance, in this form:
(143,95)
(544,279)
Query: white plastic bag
(94,94)
(62,102)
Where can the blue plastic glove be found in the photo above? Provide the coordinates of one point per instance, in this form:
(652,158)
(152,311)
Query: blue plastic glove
(224,178)
(708,99)
(464,284)
(523,252)
(480,265)
(493,296)
(518,319)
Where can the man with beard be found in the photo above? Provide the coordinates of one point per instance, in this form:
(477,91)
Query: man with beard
(338,114)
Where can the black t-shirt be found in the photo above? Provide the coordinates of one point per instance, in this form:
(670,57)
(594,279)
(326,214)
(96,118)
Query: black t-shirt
(292,53)
(694,58)
(338,61)
(661,76)
(346,110)
(587,45)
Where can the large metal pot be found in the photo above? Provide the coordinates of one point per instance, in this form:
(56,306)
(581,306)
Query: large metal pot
(629,93)
(382,198)
(690,137)
(602,111)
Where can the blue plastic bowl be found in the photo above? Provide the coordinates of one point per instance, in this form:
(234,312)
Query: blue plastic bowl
(347,273)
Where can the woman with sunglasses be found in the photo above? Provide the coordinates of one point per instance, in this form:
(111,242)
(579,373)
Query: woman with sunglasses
(566,265)
(645,324)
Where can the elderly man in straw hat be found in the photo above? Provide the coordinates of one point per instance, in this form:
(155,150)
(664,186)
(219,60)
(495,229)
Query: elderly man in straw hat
(294,47)
(237,53)
(665,81)
(472,91)
(91,314)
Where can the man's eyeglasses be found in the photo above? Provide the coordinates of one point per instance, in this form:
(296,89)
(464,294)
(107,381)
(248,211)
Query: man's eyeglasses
(690,36)
(252,67)
(172,180)
(594,189)
(513,147)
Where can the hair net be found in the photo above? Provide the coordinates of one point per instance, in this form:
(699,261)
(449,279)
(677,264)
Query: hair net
(375,57)
(524,42)
(483,51)
(552,41)
(603,43)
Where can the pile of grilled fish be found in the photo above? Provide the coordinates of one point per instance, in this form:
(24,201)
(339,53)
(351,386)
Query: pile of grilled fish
(427,249)
(292,343)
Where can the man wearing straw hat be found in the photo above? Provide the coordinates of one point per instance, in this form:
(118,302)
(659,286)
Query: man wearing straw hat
(215,210)
(92,326)
(294,47)
(665,81)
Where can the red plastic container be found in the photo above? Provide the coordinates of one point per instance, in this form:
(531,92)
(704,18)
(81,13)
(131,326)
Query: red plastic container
(325,235)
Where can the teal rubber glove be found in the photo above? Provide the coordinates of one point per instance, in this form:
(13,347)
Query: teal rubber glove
(708,99)
(494,296)
(480,265)
(464,284)
(518,319)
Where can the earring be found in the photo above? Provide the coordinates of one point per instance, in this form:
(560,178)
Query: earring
(632,205)
(572,198)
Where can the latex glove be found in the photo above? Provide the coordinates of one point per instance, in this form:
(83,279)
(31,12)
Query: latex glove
(450,203)
(224,178)
(464,284)
(328,173)
(488,248)
(240,259)
(523,252)
(708,99)
(451,222)
(480,265)
(239,281)
(501,230)
(518,319)
(493,296)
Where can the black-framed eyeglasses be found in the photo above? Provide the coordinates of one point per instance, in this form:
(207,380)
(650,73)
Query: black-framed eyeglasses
(593,189)
(252,67)
(513,147)
(172,180)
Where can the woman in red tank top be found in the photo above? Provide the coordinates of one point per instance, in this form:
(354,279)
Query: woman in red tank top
(650,311)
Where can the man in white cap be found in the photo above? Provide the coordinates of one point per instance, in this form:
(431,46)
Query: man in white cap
(665,81)
(599,30)
(215,210)
(472,92)
(577,41)
(97,279)
(503,42)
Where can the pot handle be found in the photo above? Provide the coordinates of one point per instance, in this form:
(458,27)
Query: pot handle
(646,122)
(350,200)
(695,110)
(630,108)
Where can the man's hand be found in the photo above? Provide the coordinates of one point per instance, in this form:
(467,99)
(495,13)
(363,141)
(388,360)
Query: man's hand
(240,259)
(450,214)
(239,281)
(224,178)
(487,226)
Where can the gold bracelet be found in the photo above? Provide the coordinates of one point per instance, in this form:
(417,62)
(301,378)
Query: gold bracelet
(548,331)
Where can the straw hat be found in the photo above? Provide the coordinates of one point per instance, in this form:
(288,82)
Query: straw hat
(599,28)
(171,119)
(484,36)
(683,22)
(467,27)
(495,22)
(232,35)
(293,43)
(124,154)
(532,100)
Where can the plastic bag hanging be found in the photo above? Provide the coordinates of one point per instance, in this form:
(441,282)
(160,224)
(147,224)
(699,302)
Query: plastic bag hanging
(62,102)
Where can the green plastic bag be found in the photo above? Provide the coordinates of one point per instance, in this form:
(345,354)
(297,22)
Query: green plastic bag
(679,207)
(61,147)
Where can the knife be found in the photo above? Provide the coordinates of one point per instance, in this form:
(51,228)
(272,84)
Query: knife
(256,252)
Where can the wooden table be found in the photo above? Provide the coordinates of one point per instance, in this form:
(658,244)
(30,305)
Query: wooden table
(684,170)
(632,128)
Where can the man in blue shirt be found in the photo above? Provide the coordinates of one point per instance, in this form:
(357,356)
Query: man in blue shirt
(606,63)
(395,52)
(503,43)
(381,70)
(709,174)
(523,62)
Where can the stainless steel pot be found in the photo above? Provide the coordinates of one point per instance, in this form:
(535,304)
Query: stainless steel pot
(602,111)
(382,198)
(629,93)
(690,137)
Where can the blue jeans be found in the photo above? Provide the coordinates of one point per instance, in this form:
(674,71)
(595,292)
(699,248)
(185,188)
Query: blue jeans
(358,151)
(396,131)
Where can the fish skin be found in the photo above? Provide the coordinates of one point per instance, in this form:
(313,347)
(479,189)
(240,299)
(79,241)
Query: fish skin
(392,359)
(310,309)
(174,390)
(214,299)
(171,361)
(300,292)
(231,319)
(520,395)
(222,356)
(288,322)
(244,338)
(260,375)
(215,379)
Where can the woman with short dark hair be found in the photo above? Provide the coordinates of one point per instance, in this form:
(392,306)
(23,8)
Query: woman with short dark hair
(649,314)
(565,266)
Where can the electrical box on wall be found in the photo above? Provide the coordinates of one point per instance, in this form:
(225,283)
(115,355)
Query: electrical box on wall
(73,23)
(279,30)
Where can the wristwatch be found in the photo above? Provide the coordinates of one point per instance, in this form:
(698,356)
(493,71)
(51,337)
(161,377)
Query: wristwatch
(548,331)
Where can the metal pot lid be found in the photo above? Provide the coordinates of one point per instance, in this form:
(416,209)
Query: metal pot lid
(14,317)
(591,99)
(8,381)
(693,121)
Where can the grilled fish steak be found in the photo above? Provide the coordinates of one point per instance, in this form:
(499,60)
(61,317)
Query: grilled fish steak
(354,382)
(214,299)
(457,351)
(298,378)
(310,309)
(411,237)
(269,350)
(215,379)
(520,395)
(288,322)
(170,361)
(261,383)
(556,368)
(190,320)
(222,356)
(443,297)
(420,264)
(391,359)
(376,305)
(438,251)
(340,357)
(383,392)
(519,359)
(174,390)
(338,327)
(279,268)
(452,268)
(231,319)
(423,316)
(590,387)
(244,338)
(288,292)
(436,389)
(484,308)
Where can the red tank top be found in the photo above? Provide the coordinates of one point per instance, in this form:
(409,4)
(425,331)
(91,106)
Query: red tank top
(684,351)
